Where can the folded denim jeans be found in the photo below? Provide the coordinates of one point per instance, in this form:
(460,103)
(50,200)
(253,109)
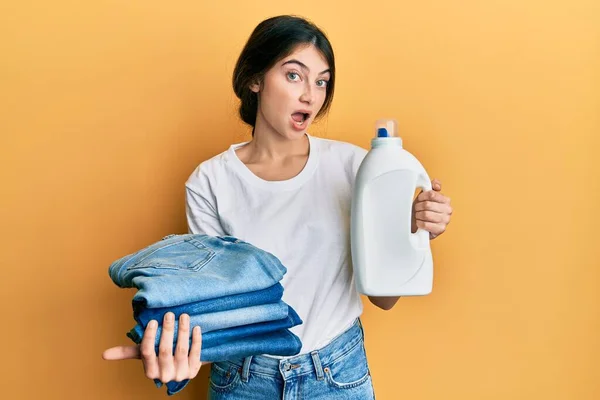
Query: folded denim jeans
(195,267)
(233,280)
(221,336)
(239,317)
(266,296)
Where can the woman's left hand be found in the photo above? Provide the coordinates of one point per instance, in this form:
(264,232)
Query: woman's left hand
(431,211)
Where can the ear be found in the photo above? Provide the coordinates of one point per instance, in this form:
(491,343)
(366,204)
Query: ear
(255,87)
(255,84)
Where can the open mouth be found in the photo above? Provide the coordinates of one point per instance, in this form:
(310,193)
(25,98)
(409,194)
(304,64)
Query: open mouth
(300,117)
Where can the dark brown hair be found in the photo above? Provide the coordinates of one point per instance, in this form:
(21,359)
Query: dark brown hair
(272,40)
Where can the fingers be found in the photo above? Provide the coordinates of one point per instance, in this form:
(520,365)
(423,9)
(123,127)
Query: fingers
(148,352)
(433,228)
(121,353)
(432,210)
(434,196)
(165,349)
(181,350)
(432,217)
(166,366)
(424,208)
(194,357)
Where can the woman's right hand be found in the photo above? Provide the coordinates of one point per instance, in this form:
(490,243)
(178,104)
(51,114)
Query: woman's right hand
(165,366)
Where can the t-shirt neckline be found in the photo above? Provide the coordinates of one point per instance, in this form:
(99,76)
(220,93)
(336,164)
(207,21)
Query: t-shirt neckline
(287,184)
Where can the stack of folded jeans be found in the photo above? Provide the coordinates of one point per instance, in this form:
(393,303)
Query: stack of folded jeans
(228,287)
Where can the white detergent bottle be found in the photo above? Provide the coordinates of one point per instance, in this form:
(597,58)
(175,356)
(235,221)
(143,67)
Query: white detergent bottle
(388,259)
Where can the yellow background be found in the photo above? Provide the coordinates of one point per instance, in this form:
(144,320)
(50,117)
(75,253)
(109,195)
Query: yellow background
(106,107)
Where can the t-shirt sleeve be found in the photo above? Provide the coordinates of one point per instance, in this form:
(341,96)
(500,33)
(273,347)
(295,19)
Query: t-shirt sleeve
(201,211)
(358,155)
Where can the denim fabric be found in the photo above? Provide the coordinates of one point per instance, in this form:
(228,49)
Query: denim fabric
(228,287)
(270,295)
(281,343)
(338,371)
(214,338)
(227,319)
(194,267)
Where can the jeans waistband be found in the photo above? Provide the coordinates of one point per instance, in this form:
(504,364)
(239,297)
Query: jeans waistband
(302,364)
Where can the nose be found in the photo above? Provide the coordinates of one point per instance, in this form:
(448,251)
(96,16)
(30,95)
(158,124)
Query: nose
(307,95)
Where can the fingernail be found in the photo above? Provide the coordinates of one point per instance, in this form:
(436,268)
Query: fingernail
(170,317)
(152,324)
(184,318)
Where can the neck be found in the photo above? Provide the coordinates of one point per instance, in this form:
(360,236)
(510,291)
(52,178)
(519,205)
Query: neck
(267,144)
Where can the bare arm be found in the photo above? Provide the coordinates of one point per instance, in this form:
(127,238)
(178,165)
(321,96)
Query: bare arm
(385,303)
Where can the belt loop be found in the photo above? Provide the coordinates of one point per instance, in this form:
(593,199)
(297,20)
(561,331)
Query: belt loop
(246,368)
(317,362)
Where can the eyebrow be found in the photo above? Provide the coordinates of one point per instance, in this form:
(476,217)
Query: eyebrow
(303,66)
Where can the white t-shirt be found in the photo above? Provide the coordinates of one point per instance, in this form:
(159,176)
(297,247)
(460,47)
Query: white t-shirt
(304,221)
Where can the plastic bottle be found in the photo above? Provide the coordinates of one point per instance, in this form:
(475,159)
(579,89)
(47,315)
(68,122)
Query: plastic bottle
(388,259)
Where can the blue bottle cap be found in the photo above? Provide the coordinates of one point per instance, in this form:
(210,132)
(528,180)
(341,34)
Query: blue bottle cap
(386,128)
(382,132)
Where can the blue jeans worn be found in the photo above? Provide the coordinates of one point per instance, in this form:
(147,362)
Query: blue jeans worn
(194,267)
(338,371)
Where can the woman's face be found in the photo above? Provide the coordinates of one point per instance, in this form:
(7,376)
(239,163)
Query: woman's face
(293,91)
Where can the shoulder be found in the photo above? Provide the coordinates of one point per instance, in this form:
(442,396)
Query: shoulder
(340,148)
(207,172)
(337,151)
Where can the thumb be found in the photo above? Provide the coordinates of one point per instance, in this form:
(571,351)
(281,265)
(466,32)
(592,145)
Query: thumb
(121,353)
(436,185)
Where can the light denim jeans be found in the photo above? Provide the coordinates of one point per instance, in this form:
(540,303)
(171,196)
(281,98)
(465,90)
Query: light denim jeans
(338,371)
(266,296)
(194,268)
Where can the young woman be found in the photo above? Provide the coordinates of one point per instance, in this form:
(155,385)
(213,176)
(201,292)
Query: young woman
(289,193)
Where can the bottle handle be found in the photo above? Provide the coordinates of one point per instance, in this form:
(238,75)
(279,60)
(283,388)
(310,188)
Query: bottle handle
(422,235)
